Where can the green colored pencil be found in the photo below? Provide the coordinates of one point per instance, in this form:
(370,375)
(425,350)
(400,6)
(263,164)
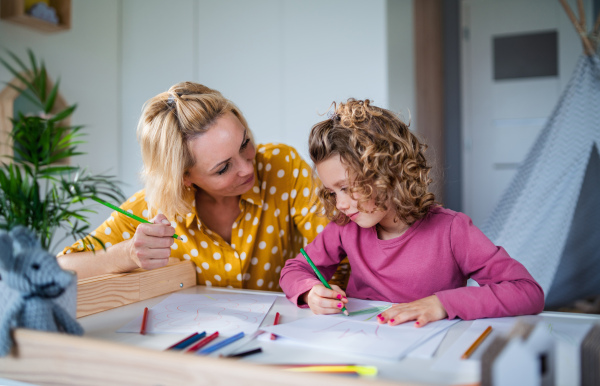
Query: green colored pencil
(131,215)
(323,281)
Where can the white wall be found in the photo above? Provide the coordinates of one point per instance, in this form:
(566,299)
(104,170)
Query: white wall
(86,59)
(281,61)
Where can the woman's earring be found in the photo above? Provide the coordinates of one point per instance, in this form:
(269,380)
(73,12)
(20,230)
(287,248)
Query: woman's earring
(188,188)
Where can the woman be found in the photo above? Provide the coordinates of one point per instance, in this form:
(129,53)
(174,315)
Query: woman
(240,211)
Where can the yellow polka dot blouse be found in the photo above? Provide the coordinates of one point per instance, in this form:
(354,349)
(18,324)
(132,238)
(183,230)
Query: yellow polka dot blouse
(277,218)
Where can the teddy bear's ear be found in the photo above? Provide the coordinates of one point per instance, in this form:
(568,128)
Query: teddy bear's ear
(23,238)
(6,251)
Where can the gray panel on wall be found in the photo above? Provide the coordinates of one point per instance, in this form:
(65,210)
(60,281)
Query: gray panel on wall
(525,55)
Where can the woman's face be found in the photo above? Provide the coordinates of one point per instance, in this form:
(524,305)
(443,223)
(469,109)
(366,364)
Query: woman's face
(224,159)
(334,176)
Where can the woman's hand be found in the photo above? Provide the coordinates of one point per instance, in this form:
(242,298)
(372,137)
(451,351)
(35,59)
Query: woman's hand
(324,301)
(424,310)
(150,247)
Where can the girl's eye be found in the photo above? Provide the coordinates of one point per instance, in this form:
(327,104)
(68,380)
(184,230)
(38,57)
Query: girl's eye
(225,168)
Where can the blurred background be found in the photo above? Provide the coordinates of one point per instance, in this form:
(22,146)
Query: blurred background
(451,67)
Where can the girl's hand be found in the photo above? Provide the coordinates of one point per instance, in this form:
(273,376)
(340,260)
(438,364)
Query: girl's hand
(324,301)
(424,310)
(150,247)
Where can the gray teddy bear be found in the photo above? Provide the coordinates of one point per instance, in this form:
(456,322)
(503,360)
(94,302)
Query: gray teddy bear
(32,278)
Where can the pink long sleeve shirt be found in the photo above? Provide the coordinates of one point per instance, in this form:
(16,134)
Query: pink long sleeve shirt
(436,255)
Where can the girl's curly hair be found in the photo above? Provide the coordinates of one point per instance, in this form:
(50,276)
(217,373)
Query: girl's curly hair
(385,160)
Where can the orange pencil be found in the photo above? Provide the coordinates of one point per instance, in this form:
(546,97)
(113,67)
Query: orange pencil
(477,342)
(203,342)
(275,322)
(144,320)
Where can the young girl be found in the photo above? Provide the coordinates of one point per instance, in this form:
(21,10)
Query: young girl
(403,247)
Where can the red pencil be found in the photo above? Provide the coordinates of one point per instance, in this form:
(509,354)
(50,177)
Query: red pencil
(275,322)
(144,319)
(203,342)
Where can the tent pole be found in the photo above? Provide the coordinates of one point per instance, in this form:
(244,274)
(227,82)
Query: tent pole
(587,45)
(581,13)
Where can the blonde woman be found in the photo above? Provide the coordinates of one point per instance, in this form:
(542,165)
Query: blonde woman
(240,209)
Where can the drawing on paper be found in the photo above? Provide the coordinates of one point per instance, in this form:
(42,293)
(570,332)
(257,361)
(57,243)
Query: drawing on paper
(226,313)
(344,330)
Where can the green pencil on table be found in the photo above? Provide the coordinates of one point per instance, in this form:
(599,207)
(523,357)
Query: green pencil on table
(323,281)
(131,215)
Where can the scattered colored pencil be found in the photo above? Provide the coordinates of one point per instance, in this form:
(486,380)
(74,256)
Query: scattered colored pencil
(203,342)
(275,322)
(144,321)
(130,215)
(323,281)
(245,353)
(476,344)
(348,369)
(185,342)
(222,344)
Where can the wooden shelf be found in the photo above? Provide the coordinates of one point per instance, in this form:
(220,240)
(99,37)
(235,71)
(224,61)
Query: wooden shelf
(14,11)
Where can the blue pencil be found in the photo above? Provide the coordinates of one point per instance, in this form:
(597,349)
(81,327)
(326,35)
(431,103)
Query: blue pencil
(187,341)
(219,345)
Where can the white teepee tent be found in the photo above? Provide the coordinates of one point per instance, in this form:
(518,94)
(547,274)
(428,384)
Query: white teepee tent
(549,217)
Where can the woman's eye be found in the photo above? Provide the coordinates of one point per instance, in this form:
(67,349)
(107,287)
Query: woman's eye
(245,144)
(225,168)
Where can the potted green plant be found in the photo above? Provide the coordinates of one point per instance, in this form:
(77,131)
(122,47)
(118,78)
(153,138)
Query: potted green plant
(39,189)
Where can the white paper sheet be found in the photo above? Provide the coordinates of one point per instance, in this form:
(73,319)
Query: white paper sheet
(427,349)
(189,313)
(359,334)
(450,360)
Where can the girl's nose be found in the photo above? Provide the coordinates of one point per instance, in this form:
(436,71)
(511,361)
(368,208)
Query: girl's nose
(341,203)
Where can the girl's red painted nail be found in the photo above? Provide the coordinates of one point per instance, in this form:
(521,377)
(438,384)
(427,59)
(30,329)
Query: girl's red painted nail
(416,322)
(391,320)
(339,305)
(339,296)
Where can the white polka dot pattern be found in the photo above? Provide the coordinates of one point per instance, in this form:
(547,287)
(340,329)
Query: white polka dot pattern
(276,218)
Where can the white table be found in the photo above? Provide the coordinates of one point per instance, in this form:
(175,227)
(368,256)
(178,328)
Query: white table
(103,326)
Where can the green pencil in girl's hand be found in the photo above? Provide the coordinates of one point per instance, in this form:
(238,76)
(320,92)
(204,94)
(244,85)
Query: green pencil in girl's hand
(323,281)
(133,216)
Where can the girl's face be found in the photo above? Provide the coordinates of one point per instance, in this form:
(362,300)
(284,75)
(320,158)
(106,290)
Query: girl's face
(224,159)
(335,178)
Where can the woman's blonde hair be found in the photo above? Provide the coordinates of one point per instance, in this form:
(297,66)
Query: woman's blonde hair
(168,124)
(385,160)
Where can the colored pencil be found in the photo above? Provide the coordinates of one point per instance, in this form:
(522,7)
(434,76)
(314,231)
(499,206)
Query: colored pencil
(144,320)
(323,281)
(203,342)
(185,342)
(360,370)
(476,344)
(130,215)
(245,353)
(222,344)
(275,322)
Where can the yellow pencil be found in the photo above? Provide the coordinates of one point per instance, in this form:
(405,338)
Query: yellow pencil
(477,342)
